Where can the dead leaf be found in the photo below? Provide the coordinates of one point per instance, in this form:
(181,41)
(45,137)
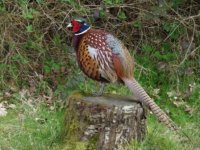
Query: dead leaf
(156,91)
(12,106)
(170,94)
(188,109)
(7,95)
(178,103)
(3,111)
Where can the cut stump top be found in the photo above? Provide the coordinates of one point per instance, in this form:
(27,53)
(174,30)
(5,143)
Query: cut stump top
(112,119)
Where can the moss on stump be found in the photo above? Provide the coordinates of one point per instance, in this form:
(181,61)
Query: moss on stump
(105,122)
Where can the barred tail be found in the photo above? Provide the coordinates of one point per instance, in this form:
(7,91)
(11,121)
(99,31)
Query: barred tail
(139,92)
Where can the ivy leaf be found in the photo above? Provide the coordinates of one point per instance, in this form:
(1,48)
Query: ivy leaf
(29,28)
(137,24)
(122,15)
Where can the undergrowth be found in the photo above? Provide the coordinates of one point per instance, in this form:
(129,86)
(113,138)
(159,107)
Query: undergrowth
(36,56)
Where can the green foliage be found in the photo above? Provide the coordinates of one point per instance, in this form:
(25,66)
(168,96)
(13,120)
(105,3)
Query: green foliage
(177,3)
(165,54)
(27,13)
(121,15)
(148,48)
(29,28)
(2,8)
(19,58)
(137,24)
(102,13)
(50,65)
(40,1)
(173,29)
(111,2)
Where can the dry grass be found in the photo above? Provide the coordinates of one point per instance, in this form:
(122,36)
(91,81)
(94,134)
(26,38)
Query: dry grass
(33,34)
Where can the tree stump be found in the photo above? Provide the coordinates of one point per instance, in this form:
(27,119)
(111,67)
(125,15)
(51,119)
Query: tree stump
(108,121)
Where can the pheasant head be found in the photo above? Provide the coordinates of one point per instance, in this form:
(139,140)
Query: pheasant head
(78,27)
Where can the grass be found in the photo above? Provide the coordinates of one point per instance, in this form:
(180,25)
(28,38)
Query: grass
(31,127)
(38,70)
(38,126)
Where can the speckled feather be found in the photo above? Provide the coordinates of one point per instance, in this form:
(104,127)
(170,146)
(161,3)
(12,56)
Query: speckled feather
(97,53)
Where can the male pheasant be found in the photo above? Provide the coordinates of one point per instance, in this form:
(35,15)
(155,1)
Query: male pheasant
(103,57)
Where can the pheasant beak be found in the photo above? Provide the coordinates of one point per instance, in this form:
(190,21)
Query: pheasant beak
(69,25)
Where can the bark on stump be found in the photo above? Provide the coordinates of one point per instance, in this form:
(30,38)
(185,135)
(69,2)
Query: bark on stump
(112,120)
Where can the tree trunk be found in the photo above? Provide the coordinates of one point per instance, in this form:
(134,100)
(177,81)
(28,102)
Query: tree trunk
(109,122)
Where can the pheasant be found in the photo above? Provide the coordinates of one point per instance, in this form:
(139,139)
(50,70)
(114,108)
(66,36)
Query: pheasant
(103,57)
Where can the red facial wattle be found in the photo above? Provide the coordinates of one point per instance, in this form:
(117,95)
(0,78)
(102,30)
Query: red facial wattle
(76,26)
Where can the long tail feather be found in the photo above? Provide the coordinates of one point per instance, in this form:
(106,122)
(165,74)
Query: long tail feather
(140,93)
